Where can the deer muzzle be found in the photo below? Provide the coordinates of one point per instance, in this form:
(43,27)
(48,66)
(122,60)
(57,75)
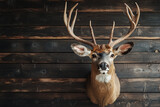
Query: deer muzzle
(103,67)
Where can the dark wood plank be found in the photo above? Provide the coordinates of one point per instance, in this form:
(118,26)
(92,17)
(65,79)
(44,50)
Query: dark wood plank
(56,18)
(60,32)
(84,5)
(61,58)
(75,100)
(8,70)
(109,5)
(11,4)
(75,70)
(14,46)
(83,70)
(79,84)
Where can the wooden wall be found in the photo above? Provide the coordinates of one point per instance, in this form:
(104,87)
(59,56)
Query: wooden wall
(39,69)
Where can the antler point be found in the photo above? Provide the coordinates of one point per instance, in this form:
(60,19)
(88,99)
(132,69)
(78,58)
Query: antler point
(126,4)
(114,22)
(77,4)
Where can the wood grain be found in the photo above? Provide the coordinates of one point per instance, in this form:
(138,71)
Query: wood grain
(75,70)
(60,32)
(85,6)
(75,99)
(67,84)
(62,58)
(15,46)
(56,19)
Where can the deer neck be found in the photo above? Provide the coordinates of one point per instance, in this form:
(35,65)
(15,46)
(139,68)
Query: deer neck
(110,76)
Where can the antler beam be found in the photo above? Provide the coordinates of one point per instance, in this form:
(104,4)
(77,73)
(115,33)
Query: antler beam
(133,23)
(71,28)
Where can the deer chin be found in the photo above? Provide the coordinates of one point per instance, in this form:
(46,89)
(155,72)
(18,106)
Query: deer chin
(103,78)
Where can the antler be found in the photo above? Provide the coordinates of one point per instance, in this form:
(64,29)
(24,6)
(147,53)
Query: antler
(133,21)
(71,28)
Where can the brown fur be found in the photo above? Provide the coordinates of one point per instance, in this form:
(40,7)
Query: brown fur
(103,93)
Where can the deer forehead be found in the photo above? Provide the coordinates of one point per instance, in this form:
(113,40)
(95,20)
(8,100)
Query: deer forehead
(102,49)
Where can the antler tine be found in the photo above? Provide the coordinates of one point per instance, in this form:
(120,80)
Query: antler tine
(92,32)
(74,20)
(71,28)
(70,14)
(138,13)
(133,23)
(112,31)
(65,14)
(130,10)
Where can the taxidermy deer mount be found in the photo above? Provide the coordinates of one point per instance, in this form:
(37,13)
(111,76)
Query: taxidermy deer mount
(103,85)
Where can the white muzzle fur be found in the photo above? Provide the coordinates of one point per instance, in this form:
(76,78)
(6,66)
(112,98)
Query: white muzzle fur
(104,78)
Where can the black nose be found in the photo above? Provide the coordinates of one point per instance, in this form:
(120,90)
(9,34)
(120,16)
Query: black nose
(103,65)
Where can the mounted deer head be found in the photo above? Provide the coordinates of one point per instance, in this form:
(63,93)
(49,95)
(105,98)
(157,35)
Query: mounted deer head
(103,85)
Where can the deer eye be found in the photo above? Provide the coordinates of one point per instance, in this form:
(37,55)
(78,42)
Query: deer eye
(94,55)
(112,55)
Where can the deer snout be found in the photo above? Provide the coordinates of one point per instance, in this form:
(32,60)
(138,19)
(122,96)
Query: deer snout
(103,66)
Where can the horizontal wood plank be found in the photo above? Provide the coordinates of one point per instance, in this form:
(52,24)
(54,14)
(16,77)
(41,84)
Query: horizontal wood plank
(61,58)
(60,32)
(75,70)
(56,19)
(89,5)
(54,46)
(79,84)
(101,6)
(75,100)
(10,4)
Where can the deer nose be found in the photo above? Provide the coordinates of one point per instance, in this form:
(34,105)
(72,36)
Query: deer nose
(103,65)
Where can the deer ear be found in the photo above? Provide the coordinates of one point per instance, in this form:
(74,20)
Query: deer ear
(124,48)
(80,50)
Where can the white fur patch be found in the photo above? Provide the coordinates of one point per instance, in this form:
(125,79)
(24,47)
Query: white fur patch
(104,78)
